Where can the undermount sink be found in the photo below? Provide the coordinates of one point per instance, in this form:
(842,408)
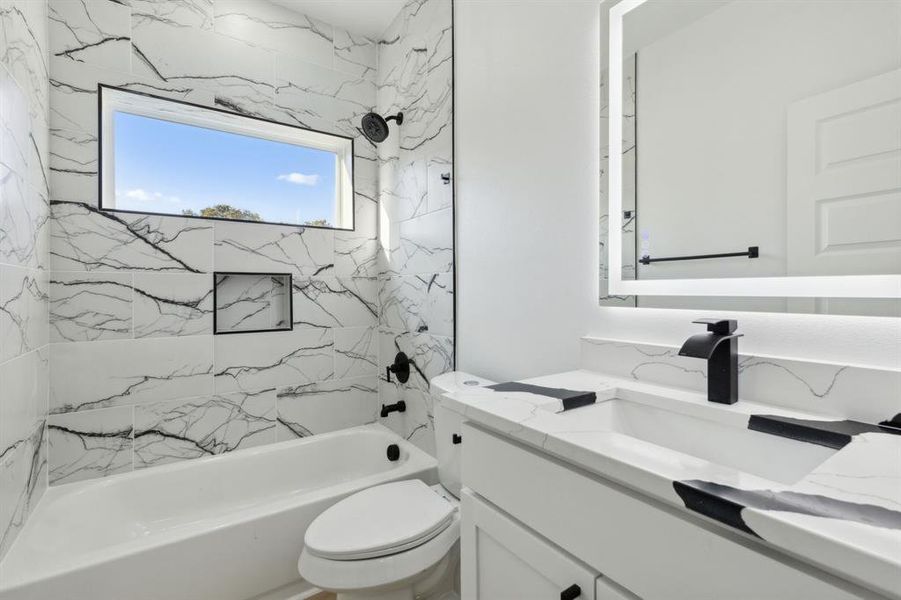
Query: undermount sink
(772,457)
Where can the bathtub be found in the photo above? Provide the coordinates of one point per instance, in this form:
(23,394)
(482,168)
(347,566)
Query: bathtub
(227,527)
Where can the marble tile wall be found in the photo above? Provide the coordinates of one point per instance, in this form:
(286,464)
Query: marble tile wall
(416,282)
(138,379)
(24,230)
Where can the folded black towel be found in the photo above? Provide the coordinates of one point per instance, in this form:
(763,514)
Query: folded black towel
(570,398)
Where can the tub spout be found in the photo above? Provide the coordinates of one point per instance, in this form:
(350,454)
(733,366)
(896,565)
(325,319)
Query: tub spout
(387,409)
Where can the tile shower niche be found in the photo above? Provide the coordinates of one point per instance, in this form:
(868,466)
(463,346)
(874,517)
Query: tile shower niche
(252,302)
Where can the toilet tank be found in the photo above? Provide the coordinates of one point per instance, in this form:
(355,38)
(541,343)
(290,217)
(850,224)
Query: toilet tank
(448,424)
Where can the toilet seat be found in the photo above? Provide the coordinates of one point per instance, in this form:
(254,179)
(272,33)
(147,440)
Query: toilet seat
(379,521)
(429,528)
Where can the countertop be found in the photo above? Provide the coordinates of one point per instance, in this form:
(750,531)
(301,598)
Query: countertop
(843,516)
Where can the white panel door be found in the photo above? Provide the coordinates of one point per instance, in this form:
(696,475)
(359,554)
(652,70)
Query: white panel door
(844,180)
(502,560)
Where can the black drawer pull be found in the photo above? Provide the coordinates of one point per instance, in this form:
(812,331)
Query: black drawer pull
(571,593)
(457,438)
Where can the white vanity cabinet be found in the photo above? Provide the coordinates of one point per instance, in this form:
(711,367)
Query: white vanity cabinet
(502,559)
(534,525)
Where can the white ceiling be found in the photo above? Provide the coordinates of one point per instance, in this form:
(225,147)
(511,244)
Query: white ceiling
(369,18)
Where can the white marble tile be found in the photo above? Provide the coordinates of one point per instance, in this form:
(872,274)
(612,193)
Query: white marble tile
(190,14)
(403,188)
(252,302)
(416,424)
(172,304)
(431,355)
(88,375)
(440,185)
(273,249)
(274,27)
(14,125)
(333,100)
(366,185)
(305,410)
(73,93)
(425,244)
(357,252)
(162,52)
(167,432)
(415,75)
(335,302)
(23,311)
(23,479)
(24,222)
(73,166)
(355,54)
(418,303)
(84,238)
(96,32)
(39,155)
(90,444)
(24,382)
(90,306)
(25,51)
(356,352)
(254,361)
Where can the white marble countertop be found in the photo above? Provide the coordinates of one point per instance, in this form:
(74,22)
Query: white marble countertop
(843,516)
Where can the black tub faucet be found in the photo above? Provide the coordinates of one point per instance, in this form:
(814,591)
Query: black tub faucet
(720,347)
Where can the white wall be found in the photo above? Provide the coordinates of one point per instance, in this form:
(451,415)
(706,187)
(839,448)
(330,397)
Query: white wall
(527,98)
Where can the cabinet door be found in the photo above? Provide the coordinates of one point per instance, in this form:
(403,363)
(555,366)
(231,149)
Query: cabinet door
(502,560)
(607,590)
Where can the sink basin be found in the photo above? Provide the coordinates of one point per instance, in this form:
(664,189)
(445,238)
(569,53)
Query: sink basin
(772,457)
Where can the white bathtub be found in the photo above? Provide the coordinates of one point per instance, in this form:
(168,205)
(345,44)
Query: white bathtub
(227,527)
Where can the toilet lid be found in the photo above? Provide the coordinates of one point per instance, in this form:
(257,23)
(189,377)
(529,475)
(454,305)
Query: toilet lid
(379,521)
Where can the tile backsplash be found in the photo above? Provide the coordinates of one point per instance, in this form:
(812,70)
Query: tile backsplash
(840,391)
(137,377)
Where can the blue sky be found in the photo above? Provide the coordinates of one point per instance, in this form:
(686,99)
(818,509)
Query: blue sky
(168,167)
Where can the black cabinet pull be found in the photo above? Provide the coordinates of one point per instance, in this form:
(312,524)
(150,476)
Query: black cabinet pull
(457,438)
(571,593)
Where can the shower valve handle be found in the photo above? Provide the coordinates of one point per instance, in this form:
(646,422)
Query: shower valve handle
(401,368)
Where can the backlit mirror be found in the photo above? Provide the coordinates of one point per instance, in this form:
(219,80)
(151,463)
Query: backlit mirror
(758,156)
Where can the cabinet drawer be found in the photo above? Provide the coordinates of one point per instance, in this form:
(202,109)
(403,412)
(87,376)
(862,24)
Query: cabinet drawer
(650,549)
(503,560)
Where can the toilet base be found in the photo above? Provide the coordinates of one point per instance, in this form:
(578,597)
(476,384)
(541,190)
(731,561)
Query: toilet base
(438,582)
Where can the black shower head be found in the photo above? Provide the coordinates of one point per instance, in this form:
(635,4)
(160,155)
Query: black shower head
(375,128)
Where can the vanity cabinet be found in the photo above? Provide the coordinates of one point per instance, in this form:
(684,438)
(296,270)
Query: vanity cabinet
(533,525)
(503,559)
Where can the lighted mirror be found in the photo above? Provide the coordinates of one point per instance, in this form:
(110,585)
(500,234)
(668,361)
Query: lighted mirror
(754,156)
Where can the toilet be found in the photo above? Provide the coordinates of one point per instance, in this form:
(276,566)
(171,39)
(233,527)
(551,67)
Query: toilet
(399,540)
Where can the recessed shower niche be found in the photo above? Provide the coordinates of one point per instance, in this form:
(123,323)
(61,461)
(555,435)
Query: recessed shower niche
(252,302)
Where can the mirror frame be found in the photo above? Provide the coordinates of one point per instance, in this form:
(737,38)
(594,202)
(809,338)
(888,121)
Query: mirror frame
(832,286)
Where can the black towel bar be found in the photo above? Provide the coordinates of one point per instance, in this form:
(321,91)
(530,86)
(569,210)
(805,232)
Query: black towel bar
(752,252)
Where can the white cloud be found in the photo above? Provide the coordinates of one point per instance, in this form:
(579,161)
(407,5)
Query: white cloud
(142,195)
(299,178)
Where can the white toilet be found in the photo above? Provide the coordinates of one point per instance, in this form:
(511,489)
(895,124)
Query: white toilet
(396,541)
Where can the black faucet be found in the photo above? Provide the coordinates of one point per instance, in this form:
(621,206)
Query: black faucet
(720,347)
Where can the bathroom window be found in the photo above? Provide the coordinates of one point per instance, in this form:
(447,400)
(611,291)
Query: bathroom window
(168,157)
